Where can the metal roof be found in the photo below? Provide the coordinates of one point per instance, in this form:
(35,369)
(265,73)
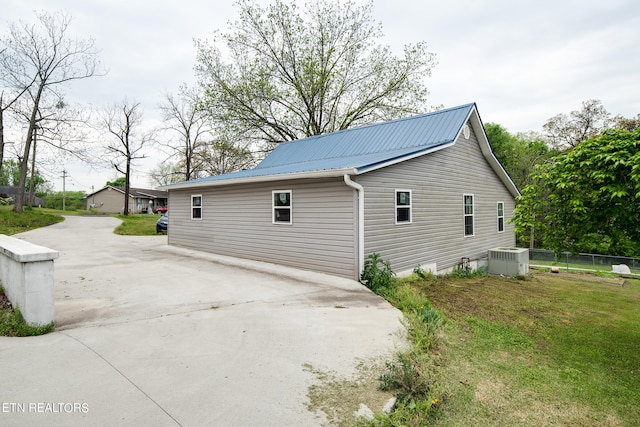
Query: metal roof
(360,148)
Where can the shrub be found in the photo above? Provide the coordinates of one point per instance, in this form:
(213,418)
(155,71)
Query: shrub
(377,275)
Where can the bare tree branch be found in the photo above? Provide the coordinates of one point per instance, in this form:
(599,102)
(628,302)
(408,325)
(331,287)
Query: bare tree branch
(38,58)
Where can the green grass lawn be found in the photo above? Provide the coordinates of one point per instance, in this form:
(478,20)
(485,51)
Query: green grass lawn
(13,223)
(557,349)
(577,266)
(137,225)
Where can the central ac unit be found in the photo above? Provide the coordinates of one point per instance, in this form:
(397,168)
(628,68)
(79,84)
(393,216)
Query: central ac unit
(509,261)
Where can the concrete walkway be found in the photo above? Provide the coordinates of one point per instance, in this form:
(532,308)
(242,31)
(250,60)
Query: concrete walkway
(153,335)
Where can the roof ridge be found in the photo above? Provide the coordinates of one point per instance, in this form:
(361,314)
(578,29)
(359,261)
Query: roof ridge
(369,125)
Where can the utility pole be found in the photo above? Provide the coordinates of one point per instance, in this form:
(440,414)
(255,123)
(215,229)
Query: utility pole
(64,178)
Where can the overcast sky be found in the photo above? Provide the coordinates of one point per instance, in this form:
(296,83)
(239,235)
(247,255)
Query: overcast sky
(521,61)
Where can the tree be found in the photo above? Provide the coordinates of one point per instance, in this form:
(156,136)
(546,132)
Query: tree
(166,173)
(223,156)
(41,58)
(123,121)
(10,175)
(118,182)
(627,124)
(587,199)
(184,118)
(518,153)
(564,131)
(7,101)
(291,75)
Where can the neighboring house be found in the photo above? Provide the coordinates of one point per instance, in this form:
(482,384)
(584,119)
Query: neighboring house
(9,192)
(422,191)
(111,200)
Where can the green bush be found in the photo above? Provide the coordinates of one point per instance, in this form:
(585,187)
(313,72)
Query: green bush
(377,275)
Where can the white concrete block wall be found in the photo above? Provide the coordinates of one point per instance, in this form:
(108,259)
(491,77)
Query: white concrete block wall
(26,273)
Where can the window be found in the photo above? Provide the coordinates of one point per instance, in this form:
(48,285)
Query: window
(403,206)
(282,207)
(196,207)
(468,214)
(500,217)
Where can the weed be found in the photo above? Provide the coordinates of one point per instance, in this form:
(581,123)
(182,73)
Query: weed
(465,271)
(405,378)
(421,273)
(12,323)
(377,275)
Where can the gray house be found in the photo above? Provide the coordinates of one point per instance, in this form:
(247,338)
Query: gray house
(110,199)
(422,191)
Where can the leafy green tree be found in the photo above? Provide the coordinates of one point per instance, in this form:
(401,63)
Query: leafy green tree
(118,182)
(587,199)
(518,153)
(291,75)
(10,175)
(73,200)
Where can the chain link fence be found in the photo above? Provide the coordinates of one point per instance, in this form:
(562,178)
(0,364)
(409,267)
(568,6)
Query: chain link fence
(593,262)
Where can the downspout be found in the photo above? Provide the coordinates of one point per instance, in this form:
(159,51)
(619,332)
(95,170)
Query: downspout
(360,189)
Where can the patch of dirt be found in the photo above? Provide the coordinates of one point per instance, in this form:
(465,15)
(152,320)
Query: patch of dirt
(339,398)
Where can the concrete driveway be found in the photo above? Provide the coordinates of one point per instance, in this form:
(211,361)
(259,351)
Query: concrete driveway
(153,335)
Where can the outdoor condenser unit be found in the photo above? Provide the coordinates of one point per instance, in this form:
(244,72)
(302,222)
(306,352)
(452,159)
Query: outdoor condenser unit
(509,261)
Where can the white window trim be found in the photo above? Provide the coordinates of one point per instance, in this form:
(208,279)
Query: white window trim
(472,215)
(274,207)
(192,206)
(410,206)
(500,216)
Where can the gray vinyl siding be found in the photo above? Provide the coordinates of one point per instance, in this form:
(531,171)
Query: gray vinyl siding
(237,221)
(438,182)
(108,201)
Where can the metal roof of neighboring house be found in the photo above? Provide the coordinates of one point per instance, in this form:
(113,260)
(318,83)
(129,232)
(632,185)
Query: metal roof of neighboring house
(362,149)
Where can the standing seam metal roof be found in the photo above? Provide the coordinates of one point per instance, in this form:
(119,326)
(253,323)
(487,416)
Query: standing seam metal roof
(362,147)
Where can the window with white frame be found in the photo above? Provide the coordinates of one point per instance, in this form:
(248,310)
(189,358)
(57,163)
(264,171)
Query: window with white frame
(468,214)
(196,206)
(282,206)
(500,217)
(403,206)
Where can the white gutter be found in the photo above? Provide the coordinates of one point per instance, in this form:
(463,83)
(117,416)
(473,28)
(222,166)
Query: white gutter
(260,178)
(360,189)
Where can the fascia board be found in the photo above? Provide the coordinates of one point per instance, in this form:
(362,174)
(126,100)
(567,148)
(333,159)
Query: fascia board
(262,178)
(478,129)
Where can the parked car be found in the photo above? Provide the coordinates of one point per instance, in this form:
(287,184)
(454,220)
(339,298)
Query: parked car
(160,209)
(162,224)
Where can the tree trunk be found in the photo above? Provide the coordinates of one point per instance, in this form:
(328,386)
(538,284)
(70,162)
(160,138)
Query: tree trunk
(127,187)
(24,164)
(33,168)
(1,136)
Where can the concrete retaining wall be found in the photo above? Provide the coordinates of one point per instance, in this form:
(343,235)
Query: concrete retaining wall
(26,273)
